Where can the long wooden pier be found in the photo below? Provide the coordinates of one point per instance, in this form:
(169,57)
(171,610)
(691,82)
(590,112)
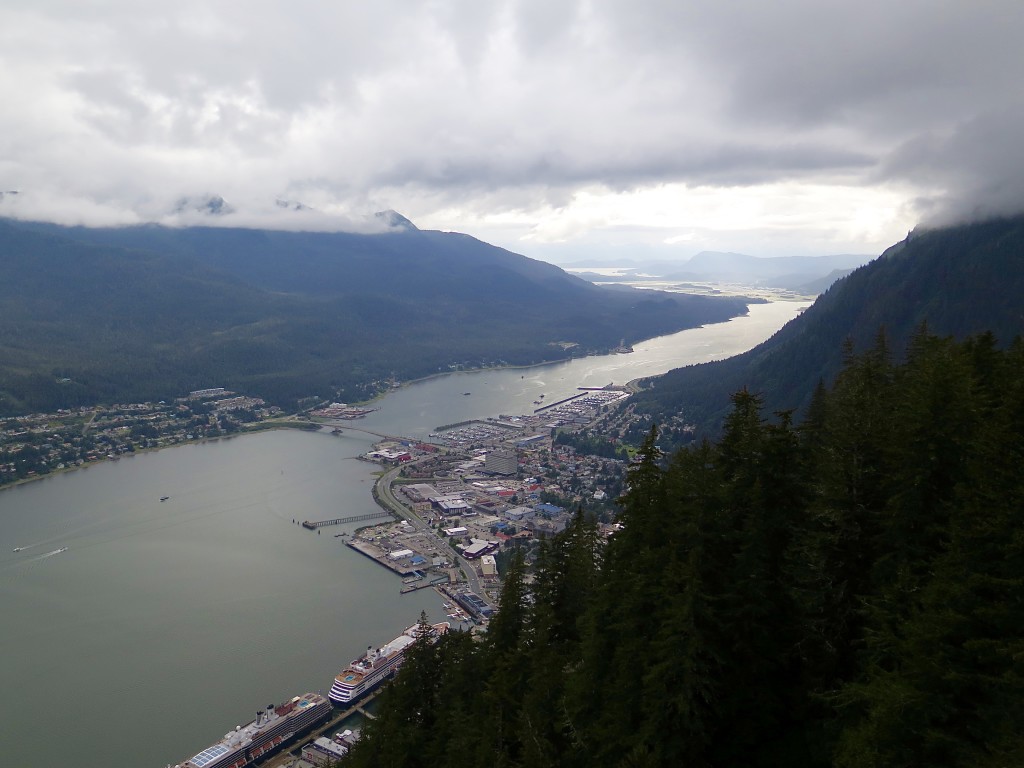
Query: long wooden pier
(313,525)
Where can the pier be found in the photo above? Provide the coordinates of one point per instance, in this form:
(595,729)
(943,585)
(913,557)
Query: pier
(313,525)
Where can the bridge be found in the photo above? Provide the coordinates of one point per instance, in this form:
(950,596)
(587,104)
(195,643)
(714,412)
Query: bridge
(313,525)
(346,426)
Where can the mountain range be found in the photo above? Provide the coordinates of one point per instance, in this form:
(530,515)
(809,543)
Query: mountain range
(781,272)
(807,275)
(957,281)
(149,312)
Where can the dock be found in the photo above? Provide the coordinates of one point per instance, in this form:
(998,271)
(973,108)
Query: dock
(379,556)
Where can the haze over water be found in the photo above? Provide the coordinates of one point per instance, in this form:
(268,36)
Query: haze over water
(165,624)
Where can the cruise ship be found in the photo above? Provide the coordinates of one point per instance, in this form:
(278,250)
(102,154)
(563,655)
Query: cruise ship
(373,667)
(271,728)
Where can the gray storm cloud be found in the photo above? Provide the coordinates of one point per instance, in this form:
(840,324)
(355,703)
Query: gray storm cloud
(116,110)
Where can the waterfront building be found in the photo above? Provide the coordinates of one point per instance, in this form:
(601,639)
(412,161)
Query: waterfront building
(323,751)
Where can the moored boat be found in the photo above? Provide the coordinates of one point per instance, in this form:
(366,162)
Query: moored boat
(373,667)
(270,730)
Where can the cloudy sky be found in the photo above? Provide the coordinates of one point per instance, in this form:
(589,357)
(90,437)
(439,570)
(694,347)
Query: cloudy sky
(555,128)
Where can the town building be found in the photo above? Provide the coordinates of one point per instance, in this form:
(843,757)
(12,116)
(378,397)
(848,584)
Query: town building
(501,461)
(323,751)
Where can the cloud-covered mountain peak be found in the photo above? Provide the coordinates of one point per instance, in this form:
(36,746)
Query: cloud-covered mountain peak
(395,220)
(213,205)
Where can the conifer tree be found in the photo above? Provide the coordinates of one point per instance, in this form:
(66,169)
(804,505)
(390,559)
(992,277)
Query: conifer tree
(565,580)
(845,593)
(506,649)
(605,701)
(942,682)
(408,710)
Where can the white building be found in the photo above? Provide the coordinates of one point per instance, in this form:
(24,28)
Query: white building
(488,567)
(519,514)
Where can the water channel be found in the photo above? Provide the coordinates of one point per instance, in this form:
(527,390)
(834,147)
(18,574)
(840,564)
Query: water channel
(418,409)
(166,623)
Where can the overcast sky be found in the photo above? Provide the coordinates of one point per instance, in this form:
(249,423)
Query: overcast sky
(554,128)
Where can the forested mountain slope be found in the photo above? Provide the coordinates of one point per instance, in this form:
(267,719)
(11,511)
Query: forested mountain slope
(959,281)
(147,313)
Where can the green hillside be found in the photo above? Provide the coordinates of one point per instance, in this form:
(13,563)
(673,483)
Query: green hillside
(958,282)
(149,313)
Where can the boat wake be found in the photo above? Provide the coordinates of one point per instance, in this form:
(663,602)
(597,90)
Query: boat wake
(18,568)
(27,546)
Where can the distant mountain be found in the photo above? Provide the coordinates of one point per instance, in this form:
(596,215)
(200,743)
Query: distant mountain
(816,286)
(395,220)
(213,205)
(804,274)
(960,281)
(781,272)
(149,312)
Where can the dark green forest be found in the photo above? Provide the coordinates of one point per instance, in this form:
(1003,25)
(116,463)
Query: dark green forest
(846,590)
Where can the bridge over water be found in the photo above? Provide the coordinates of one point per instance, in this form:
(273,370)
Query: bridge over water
(346,426)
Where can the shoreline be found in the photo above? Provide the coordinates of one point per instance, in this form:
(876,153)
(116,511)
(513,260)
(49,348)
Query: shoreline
(442,374)
(291,421)
(527,366)
(88,464)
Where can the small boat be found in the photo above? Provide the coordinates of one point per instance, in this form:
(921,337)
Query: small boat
(467,393)
(18,549)
(164,498)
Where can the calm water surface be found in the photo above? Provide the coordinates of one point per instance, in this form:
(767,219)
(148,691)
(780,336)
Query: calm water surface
(165,624)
